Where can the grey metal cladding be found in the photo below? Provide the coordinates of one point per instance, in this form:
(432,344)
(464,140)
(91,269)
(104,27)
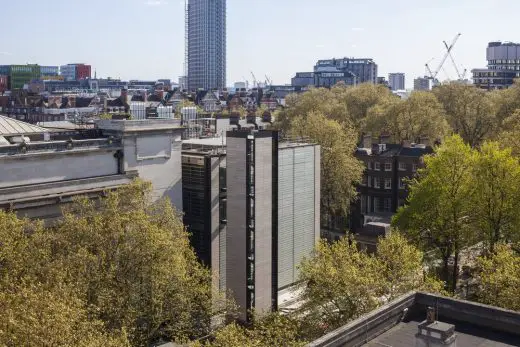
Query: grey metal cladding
(236,220)
(215,220)
(297,210)
(285,217)
(263,223)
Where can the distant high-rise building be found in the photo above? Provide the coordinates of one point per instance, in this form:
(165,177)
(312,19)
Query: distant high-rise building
(502,68)
(206,43)
(396,81)
(422,83)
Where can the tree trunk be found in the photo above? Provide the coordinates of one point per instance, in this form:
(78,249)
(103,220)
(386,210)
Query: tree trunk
(446,270)
(455,272)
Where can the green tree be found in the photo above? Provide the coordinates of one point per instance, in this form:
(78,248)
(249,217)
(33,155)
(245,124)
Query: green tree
(341,283)
(32,315)
(402,266)
(510,135)
(437,213)
(362,98)
(470,111)
(34,309)
(494,203)
(316,100)
(134,266)
(340,170)
(498,277)
(506,101)
(274,329)
(125,262)
(421,115)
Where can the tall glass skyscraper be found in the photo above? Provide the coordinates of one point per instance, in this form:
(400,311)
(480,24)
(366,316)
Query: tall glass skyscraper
(206,43)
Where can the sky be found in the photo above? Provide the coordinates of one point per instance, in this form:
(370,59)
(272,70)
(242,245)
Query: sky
(144,39)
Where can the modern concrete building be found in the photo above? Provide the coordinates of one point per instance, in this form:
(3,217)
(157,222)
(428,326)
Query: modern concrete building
(363,69)
(251,203)
(43,172)
(206,44)
(422,83)
(327,73)
(503,66)
(396,81)
(303,79)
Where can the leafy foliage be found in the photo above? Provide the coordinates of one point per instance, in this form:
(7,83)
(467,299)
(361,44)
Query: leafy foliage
(437,214)
(499,278)
(271,330)
(122,265)
(494,203)
(341,283)
(470,111)
(340,170)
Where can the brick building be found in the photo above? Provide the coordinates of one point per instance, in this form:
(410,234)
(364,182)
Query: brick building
(383,189)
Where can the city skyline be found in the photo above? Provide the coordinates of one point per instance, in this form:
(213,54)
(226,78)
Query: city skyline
(141,39)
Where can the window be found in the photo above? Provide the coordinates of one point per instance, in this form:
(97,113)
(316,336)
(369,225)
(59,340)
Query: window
(369,181)
(402,166)
(402,184)
(388,183)
(369,165)
(377,182)
(388,166)
(414,167)
(387,204)
(377,166)
(364,180)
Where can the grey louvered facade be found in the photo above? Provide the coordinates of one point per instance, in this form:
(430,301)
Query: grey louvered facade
(298,208)
(268,214)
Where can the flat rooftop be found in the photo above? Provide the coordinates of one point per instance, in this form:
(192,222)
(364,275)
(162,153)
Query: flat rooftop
(468,335)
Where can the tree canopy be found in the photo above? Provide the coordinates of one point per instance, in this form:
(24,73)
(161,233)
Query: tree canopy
(469,110)
(437,214)
(499,278)
(118,268)
(340,170)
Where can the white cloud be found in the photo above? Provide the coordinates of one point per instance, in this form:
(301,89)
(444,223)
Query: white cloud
(5,53)
(353,46)
(358,29)
(156,2)
(320,46)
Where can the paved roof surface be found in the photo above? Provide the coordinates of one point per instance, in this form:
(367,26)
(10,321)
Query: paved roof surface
(12,127)
(403,335)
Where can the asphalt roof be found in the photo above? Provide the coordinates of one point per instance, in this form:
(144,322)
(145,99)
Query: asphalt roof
(13,127)
(468,335)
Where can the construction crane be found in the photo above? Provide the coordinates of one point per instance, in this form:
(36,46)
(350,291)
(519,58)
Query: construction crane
(268,81)
(443,60)
(428,70)
(462,75)
(254,80)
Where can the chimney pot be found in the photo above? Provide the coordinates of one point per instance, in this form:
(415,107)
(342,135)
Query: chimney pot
(430,315)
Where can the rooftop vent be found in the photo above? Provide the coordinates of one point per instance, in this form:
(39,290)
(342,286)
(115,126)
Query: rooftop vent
(433,333)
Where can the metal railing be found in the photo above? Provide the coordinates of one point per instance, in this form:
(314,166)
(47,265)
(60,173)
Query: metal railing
(57,146)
